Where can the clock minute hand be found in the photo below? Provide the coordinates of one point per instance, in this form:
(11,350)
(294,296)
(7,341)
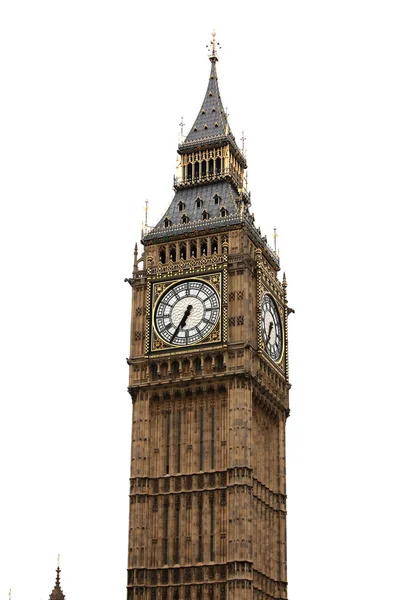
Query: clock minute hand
(182,322)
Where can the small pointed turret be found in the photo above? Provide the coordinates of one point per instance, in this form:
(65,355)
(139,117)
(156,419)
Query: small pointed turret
(57,593)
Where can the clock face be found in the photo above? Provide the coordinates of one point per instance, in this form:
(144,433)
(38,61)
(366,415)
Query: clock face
(187,312)
(271,328)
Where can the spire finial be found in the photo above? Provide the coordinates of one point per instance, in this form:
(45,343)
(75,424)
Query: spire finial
(243,139)
(58,571)
(213,48)
(275,238)
(182,125)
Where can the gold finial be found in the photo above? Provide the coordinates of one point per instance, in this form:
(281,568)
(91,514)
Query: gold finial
(213,47)
(275,238)
(146,211)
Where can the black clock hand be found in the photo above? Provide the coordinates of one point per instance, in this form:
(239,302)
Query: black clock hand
(183,321)
(269,333)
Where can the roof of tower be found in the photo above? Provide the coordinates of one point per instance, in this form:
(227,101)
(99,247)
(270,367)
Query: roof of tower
(210,201)
(57,593)
(211,126)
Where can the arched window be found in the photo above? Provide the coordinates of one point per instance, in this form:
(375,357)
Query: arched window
(208,363)
(185,366)
(211,167)
(182,251)
(185,219)
(181,206)
(205,215)
(197,365)
(189,171)
(219,362)
(218,166)
(153,371)
(199,202)
(204,168)
(214,245)
(217,199)
(172,253)
(167,222)
(193,249)
(162,255)
(203,248)
(175,367)
(164,369)
(196,170)
(224,212)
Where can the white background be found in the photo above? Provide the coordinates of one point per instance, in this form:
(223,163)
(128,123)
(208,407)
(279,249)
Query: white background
(91,97)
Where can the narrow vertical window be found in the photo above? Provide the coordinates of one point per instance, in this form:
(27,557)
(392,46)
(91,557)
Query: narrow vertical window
(213,438)
(201,438)
(166,509)
(200,529)
(212,528)
(167,444)
(177,519)
(178,458)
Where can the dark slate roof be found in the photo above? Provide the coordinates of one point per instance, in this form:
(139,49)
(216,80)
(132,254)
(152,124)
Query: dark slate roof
(229,200)
(211,126)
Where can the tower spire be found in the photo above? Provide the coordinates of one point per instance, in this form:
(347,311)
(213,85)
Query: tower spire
(57,593)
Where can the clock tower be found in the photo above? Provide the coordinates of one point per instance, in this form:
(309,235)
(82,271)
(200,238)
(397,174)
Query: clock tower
(208,377)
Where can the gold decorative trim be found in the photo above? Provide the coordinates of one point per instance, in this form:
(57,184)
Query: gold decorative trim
(215,280)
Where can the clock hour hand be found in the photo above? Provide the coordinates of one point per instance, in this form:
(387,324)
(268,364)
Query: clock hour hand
(269,333)
(183,321)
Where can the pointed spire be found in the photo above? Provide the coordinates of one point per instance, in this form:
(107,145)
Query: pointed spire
(284,282)
(57,593)
(211,126)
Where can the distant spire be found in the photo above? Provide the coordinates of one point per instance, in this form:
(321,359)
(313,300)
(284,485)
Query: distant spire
(57,593)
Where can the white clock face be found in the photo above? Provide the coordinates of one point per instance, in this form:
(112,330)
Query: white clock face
(187,312)
(271,328)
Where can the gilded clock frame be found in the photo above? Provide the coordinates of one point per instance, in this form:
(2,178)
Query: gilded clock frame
(263,290)
(157,288)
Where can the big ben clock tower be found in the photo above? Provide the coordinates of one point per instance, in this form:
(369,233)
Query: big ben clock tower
(208,377)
